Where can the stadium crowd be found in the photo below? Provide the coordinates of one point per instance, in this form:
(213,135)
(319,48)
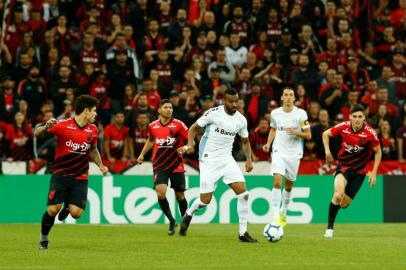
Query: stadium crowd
(130,54)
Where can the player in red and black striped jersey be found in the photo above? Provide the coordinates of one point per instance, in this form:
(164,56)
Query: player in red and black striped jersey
(358,142)
(167,135)
(76,146)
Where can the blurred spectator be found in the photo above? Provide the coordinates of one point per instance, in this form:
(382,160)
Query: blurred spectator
(8,100)
(334,97)
(401,141)
(33,90)
(227,71)
(310,150)
(138,136)
(382,98)
(236,53)
(399,74)
(380,116)
(58,88)
(256,104)
(44,147)
(307,76)
(239,25)
(98,89)
(386,81)
(142,107)
(28,46)
(302,100)
(179,111)
(317,131)
(355,78)
(388,144)
(4,139)
(352,99)
(20,72)
(258,138)
(313,113)
(115,145)
(20,136)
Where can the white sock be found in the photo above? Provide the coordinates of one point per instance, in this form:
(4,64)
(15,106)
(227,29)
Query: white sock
(197,204)
(242,209)
(276,202)
(286,195)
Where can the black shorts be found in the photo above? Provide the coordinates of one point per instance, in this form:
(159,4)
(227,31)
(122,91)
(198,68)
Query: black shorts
(177,180)
(66,189)
(354,182)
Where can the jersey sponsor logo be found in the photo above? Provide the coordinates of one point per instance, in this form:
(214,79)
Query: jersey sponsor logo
(83,147)
(117,144)
(70,127)
(351,148)
(225,132)
(155,126)
(88,130)
(165,142)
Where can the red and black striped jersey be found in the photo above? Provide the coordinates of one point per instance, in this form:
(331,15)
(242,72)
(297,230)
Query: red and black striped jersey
(168,138)
(356,147)
(73,147)
(117,138)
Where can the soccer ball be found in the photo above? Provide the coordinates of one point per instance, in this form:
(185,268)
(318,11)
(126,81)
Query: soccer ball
(273,233)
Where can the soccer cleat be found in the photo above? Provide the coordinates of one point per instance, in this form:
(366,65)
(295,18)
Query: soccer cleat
(172,227)
(63,214)
(247,238)
(283,220)
(185,224)
(43,244)
(329,233)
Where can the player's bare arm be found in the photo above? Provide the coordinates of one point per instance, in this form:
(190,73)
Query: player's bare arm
(305,133)
(271,137)
(190,146)
(377,160)
(246,147)
(326,142)
(42,130)
(147,146)
(95,156)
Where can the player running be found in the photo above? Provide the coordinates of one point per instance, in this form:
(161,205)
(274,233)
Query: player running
(358,140)
(76,145)
(289,126)
(167,134)
(222,124)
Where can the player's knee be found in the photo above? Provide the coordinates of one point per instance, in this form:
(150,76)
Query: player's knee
(206,200)
(338,197)
(76,214)
(180,196)
(53,210)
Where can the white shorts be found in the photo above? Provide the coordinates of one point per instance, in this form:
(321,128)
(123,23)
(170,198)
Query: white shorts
(212,171)
(285,166)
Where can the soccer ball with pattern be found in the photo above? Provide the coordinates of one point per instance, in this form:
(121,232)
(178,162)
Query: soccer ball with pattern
(273,233)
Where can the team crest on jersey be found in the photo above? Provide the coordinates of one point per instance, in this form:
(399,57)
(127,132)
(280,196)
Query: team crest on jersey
(51,195)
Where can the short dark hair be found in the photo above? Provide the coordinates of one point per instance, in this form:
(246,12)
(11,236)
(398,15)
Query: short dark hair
(85,102)
(230,91)
(119,112)
(288,88)
(164,101)
(357,108)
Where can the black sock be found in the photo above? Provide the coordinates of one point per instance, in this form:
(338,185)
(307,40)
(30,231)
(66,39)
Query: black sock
(182,206)
(332,213)
(165,208)
(47,223)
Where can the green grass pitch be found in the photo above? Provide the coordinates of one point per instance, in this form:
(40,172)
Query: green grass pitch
(355,246)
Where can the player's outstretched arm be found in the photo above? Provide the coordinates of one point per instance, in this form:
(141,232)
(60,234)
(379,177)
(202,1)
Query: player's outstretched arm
(271,137)
(42,130)
(246,147)
(326,142)
(147,146)
(377,161)
(95,156)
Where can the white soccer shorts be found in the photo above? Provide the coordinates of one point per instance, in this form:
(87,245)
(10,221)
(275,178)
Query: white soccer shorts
(285,166)
(212,171)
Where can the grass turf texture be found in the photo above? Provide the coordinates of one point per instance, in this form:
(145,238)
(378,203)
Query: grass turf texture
(354,246)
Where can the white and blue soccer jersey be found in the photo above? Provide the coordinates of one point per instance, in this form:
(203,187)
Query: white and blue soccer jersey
(284,144)
(221,128)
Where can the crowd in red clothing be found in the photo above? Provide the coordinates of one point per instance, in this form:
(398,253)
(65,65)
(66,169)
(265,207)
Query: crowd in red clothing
(130,54)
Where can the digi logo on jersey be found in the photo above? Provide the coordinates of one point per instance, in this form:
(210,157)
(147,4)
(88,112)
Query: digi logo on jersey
(352,149)
(225,132)
(165,142)
(77,146)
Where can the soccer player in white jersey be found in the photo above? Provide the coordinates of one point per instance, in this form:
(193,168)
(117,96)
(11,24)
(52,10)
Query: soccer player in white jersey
(222,124)
(289,126)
